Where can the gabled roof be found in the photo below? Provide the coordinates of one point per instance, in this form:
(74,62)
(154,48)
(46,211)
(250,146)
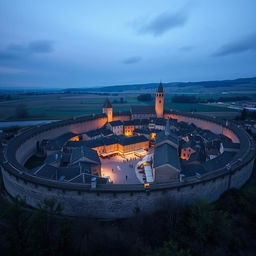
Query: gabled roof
(143,110)
(58,142)
(161,137)
(219,161)
(110,140)
(105,132)
(75,144)
(116,123)
(93,133)
(107,104)
(129,122)
(124,140)
(83,153)
(166,154)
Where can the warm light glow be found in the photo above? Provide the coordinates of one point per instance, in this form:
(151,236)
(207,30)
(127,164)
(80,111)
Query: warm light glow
(128,134)
(152,135)
(146,185)
(76,138)
(184,157)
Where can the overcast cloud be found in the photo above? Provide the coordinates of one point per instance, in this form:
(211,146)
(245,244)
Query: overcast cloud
(88,43)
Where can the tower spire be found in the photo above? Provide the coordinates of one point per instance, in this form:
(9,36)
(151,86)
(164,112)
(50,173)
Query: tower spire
(160,87)
(107,104)
(108,110)
(159,104)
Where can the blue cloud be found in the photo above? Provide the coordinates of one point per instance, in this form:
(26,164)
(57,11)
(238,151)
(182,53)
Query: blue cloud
(132,60)
(20,51)
(163,23)
(186,48)
(247,43)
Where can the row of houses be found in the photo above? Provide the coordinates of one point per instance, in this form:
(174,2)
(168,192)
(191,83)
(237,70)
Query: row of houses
(115,144)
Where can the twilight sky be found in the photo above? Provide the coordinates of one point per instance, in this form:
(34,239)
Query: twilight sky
(85,43)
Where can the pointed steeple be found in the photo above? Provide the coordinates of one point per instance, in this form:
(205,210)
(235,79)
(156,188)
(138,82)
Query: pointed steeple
(108,110)
(160,87)
(167,130)
(107,104)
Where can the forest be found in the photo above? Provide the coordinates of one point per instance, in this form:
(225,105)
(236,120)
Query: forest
(226,227)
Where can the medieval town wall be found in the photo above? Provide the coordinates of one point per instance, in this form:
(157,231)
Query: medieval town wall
(120,201)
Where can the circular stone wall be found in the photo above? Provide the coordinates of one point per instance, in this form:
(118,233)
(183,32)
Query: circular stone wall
(119,201)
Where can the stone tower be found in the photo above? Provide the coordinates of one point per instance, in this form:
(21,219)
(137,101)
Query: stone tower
(159,105)
(107,109)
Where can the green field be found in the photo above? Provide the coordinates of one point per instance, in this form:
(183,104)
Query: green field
(61,106)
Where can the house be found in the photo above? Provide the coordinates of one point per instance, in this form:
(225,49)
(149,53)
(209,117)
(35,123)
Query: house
(166,162)
(86,157)
(116,127)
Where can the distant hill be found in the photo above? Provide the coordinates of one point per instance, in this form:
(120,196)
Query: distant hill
(241,84)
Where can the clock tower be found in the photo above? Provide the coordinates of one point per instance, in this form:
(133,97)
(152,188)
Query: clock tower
(159,105)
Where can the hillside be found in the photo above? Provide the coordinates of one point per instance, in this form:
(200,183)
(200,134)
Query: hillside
(244,85)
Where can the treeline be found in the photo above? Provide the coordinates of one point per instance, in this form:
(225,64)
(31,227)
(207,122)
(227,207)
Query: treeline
(120,101)
(246,114)
(226,227)
(6,97)
(194,99)
(70,91)
(145,97)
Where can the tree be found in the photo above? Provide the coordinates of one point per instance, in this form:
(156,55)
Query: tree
(171,249)
(244,114)
(17,234)
(144,97)
(203,225)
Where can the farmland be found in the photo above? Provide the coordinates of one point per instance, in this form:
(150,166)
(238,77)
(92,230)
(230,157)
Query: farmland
(62,105)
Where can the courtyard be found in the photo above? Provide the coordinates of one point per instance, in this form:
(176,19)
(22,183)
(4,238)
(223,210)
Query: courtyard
(120,170)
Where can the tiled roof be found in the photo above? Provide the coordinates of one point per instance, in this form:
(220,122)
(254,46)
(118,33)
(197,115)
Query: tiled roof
(192,169)
(143,109)
(116,123)
(107,104)
(84,152)
(219,161)
(58,142)
(161,136)
(124,140)
(166,154)
(160,121)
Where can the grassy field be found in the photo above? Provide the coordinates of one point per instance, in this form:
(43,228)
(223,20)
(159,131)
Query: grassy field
(61,106)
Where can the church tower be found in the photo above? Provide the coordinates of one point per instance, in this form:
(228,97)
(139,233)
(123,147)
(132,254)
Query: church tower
(107,109)
(159,105)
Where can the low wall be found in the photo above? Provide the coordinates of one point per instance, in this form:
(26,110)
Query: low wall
(119,201)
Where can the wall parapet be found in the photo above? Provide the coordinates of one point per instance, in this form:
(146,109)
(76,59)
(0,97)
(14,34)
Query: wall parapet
(14,168)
